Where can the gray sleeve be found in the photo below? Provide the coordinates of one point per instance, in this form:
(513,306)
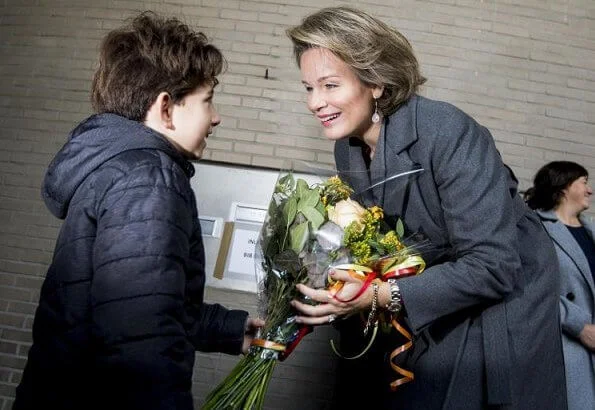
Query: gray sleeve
(478,210)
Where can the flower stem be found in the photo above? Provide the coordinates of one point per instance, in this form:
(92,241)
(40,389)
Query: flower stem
(245,387)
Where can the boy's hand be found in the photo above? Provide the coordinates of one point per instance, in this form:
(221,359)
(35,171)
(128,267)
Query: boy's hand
(252,326)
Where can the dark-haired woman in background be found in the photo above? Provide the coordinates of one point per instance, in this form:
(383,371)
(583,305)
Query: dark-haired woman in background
(560,194)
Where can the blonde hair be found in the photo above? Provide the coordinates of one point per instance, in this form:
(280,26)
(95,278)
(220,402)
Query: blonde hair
(378,54)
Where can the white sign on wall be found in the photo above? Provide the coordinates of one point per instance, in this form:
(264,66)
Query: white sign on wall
(236,259)
(241,253)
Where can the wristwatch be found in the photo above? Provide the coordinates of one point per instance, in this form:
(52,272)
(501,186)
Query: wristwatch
(395,304)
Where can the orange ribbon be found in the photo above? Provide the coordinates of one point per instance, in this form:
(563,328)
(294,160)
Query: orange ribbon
(367,279)
(267,344)
(407,375)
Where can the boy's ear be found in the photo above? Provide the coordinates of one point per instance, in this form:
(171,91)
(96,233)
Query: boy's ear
(159,116)
(166,106)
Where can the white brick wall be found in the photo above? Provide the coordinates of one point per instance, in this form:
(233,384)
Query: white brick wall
(525,69)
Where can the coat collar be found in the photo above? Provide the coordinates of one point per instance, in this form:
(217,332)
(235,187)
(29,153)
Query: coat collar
(565,241)
(547,215)
(552,217)
(399,131)
(404,124)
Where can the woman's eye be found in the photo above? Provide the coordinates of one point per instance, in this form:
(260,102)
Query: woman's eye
(308,88)
(330,85)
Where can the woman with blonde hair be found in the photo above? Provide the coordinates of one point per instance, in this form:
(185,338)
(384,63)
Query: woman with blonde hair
(484,313)
(560,194)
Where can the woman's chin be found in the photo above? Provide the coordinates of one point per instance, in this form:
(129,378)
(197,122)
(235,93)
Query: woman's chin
(334,134)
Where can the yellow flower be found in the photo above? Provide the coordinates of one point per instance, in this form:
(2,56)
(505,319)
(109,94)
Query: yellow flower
(334,180)
(391,242)
(335,190)
(376,212)
(345,212)
(361,253)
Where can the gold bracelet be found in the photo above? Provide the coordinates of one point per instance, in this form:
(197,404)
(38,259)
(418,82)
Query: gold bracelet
(372,314)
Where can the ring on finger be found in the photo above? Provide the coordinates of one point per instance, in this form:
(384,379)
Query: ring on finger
(331,318)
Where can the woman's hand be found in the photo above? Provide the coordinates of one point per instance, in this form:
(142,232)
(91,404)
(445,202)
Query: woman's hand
(330,307)
(252,326)
(587,337)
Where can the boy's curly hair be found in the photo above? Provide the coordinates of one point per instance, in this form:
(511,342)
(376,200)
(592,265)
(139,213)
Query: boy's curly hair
(150,55)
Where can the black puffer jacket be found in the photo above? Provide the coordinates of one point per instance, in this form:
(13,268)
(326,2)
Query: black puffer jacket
(121,311)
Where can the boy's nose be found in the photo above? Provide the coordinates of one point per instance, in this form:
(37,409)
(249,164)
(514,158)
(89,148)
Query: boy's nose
(215,120)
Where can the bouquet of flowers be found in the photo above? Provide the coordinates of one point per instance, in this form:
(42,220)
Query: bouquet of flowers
(309,229)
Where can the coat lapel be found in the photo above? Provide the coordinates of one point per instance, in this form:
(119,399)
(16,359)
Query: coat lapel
(391,164)
(590,226)
(565,241)
(352,168)
(400,134)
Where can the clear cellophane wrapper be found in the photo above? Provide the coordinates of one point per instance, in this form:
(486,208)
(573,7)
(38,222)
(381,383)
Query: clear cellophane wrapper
(315,222)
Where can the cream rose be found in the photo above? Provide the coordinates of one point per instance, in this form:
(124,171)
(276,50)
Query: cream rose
(346,211)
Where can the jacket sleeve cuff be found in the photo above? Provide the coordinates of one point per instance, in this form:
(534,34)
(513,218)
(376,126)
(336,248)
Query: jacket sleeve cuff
(573,318)
(217,329)
(234,330)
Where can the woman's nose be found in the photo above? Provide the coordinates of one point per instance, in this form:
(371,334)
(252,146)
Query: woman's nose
(316,101)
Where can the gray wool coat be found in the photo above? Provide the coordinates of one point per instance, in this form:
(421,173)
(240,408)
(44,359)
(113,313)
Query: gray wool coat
(484,314)
(577,305)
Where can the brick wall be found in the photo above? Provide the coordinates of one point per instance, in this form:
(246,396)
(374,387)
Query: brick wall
(525,69)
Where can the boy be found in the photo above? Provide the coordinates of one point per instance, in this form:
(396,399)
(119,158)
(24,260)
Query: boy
(121,311)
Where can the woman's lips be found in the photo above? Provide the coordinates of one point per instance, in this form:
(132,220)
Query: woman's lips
(328,119)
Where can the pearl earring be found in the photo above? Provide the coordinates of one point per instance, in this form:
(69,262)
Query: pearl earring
(375,116)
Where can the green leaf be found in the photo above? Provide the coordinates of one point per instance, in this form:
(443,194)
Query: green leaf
(301,188)
(298,236)
(313,216)
(310,198)
(320,208)
(400,229)
(290,211)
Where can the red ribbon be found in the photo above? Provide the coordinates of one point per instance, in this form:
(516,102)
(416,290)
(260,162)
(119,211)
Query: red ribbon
(407,375)
(369,278)
(399,273)
(303,331)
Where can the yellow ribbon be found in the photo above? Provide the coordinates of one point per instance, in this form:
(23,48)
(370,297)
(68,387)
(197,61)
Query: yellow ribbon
(363,352)
(411,261)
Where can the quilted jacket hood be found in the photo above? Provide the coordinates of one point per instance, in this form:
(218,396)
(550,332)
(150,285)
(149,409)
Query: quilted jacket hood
(93,142)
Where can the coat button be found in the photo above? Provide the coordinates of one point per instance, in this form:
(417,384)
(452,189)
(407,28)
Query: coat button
(570,296)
